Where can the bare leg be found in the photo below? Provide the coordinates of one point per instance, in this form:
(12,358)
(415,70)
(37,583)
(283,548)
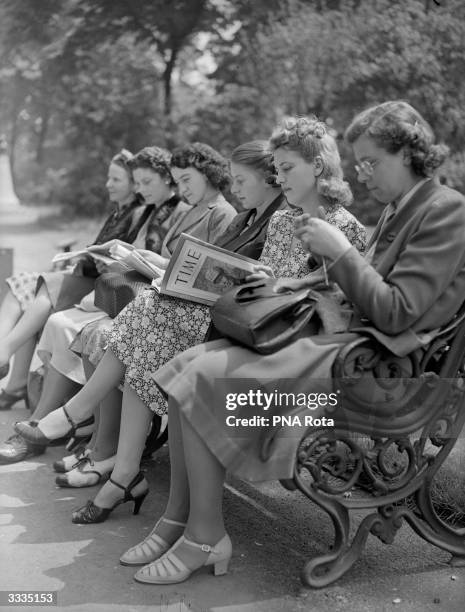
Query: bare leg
(107,432)
(56,391)
(135,422)
(106,377)
(32,321)
(178,505)
(10,312)
(20,368)
(206,478)
(197,479)
(177,508)
(107,415)
(89,369)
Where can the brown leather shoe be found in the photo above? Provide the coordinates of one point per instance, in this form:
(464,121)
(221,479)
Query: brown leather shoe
(16,448)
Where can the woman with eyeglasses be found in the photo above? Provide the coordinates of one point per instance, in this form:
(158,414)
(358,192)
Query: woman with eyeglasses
(411,281)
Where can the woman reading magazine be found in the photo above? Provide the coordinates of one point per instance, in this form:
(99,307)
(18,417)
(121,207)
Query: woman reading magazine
(145,225)
(204,174)
(144,337)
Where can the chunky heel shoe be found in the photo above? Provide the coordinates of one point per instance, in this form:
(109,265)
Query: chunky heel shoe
(151,548)
(31,431)
(170,569)
(91,513)
(9,398)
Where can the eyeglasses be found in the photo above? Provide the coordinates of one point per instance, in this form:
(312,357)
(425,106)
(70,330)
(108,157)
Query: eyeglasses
(367,167)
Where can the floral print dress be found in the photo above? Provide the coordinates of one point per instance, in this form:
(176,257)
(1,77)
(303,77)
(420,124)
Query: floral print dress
(154,328)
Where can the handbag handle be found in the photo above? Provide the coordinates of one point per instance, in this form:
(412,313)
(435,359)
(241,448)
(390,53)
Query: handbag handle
(261,289)
(285,336)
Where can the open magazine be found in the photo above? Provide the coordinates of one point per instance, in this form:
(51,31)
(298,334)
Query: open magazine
(116,251)
(201,272)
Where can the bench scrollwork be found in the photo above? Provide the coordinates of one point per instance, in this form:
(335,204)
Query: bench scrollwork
(397,421)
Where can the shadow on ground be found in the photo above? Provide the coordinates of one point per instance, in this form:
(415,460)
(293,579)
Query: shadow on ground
(273,530)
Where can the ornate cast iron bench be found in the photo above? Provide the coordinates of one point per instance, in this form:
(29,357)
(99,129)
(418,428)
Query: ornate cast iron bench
(386,455)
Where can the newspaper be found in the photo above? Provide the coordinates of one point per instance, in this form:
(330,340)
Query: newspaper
(201,272)
(116,251)
(99,252)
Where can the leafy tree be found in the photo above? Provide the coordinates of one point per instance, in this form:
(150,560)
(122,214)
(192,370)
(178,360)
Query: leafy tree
(81,78)
(309,58)
(85,77)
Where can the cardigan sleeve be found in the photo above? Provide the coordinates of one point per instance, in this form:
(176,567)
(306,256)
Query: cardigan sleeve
(426,266)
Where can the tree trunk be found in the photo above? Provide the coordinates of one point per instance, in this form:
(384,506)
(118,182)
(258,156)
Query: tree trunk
(12,141)
(167,80)
(42,135)
(167,86)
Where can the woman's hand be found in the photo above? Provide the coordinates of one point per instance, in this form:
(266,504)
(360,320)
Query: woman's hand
(101,267)
(260,272)
(320,237)
(296,284)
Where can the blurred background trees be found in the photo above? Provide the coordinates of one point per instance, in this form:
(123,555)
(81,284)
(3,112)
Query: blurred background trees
(80,79)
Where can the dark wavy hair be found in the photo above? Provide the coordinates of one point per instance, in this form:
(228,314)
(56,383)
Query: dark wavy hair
(206,160)
(257,155)
(310,138)
(156,159)
(395,125)
(123,159)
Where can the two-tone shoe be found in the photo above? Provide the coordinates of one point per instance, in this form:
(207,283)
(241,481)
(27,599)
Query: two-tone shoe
(87,473)
(30,430)
(71,461)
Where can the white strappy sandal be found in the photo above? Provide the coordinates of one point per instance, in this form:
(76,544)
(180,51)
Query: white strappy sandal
(151,548)
(169,569)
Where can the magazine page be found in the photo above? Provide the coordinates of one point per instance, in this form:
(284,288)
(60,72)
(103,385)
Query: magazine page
(201,272)
(138,262)
(106,259)
(111,246)
(107,252)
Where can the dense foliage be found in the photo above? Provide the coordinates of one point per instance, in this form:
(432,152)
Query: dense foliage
(80,79)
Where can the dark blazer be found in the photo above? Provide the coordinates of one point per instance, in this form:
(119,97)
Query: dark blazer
(416,282)
(250,241)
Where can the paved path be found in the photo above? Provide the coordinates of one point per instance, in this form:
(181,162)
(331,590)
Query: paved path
(273,530)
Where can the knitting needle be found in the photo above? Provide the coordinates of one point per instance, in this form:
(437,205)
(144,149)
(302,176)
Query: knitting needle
(325,272)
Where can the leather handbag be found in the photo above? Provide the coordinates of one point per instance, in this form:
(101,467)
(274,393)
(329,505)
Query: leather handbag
(114,290)
(253,315)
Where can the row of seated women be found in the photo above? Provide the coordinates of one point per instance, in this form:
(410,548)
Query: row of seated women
(409,279)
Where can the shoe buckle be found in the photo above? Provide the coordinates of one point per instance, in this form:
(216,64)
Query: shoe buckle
(206,548)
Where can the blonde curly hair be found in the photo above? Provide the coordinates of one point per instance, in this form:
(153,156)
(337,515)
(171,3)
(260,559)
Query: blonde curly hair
(311,139)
